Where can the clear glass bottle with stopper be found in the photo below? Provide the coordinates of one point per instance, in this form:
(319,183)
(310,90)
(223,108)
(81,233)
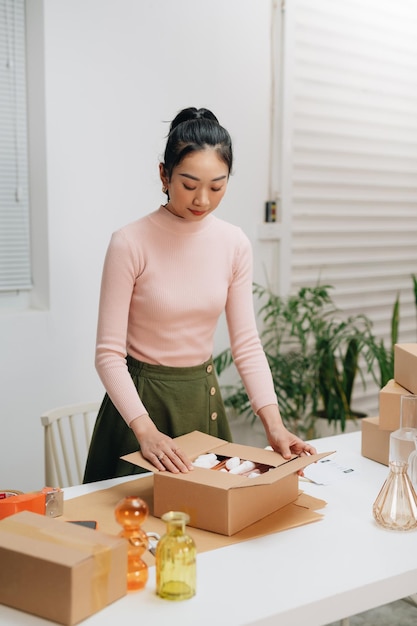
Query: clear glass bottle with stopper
(176,559)
(402,440)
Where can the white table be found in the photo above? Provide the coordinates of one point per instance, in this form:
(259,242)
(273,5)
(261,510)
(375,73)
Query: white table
(311,575)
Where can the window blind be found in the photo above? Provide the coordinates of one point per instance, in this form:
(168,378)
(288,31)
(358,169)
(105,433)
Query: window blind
(15,268)
(351,123)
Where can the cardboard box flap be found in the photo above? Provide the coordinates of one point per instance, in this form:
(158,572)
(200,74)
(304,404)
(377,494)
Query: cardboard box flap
(197,443)
(193,444)
(248,453)
(285,469)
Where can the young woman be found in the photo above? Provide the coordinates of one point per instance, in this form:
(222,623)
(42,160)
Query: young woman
(167,278)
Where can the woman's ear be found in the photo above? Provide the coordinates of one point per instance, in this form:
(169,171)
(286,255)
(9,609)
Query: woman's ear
(163,176)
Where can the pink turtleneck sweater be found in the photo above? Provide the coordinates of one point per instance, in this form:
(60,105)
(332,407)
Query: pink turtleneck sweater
(166,281)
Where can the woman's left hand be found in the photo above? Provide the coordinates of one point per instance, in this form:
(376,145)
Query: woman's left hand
(287,444)
(280,438)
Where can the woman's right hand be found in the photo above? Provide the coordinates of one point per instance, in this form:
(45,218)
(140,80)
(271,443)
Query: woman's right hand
(159,449)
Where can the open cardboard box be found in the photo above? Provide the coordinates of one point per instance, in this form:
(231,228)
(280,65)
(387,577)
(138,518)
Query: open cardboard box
(221,502)
(60,571)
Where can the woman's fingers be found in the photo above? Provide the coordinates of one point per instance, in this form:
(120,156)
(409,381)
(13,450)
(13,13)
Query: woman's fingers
(172,459)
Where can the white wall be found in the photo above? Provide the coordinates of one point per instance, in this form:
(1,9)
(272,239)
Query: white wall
(114,72)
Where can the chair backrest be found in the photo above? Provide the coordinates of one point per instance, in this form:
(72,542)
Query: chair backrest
(67,435)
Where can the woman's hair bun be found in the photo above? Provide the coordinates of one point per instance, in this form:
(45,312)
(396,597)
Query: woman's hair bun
(192,113)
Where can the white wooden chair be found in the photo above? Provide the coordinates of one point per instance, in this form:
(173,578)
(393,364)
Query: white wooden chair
(67,435)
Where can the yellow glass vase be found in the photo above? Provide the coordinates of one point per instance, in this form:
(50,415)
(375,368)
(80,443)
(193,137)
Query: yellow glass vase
(175,559)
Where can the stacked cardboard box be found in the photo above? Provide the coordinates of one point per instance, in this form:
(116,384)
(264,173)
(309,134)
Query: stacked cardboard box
(376,430)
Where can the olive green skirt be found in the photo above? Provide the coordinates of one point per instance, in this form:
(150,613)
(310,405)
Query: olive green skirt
(178,400)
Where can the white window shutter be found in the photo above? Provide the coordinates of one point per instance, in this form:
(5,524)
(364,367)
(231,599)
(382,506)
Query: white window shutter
(351,126)
(15,268)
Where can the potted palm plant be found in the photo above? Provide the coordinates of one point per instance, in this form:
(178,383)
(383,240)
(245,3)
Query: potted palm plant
(313,351)
(383,355)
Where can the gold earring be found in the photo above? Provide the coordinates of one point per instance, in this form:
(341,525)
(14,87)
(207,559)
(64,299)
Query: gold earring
(164,189)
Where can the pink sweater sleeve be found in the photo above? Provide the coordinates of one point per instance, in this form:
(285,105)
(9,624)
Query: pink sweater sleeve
(121,267)
(247,350)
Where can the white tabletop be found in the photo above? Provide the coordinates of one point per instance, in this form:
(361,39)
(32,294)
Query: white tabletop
(315,574)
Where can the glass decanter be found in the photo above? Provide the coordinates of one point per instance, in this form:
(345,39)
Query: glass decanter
(395,507)
(131,513)
(401,443)
(412,465)
(176,559)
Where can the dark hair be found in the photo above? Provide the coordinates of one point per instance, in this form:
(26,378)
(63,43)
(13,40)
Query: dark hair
(194,129)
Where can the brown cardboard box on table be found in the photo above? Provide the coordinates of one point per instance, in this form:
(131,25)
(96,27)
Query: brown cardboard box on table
(57,570)
(390,405)
(221,502)
(405,366)
(375,441)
